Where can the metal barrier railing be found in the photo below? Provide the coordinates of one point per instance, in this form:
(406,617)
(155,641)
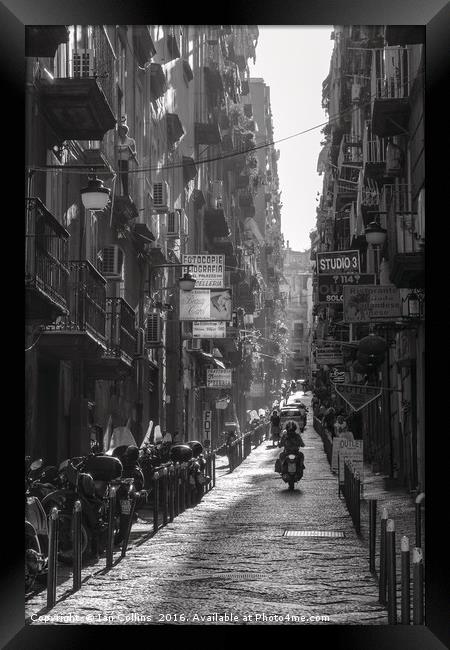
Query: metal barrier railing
(351,489)
(325,436)
(239,449)
(387,569)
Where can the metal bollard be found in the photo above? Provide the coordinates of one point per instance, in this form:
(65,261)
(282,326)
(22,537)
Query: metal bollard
(372,533)
(155,501)
(171,481)
(391,572)
(406,597)
(110,539)
(134,498)
(382,576)
(164,495)
(358,503)
(76,544)
(214,470)
(420,498)
(183,472)
(417,562)
(53,529)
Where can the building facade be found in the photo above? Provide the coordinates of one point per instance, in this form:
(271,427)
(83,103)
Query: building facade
(374,182)
(162,115)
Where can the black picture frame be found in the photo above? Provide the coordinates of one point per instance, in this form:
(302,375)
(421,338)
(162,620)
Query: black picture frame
(435,15)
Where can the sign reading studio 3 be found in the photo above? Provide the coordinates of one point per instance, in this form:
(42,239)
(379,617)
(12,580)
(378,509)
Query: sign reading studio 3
(336,262)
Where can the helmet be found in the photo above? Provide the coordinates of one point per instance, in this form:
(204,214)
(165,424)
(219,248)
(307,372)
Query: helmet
(131,455)
(196,447)
(291,426)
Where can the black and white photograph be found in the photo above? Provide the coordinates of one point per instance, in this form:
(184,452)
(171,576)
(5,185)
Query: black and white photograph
(241,441)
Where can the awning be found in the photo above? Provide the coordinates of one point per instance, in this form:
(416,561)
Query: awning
(158,84)
(143,233)
(143,44)
(189,169)
(174,127)
(207,359)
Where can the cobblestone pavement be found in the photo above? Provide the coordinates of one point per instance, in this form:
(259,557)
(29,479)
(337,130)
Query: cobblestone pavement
(228,557)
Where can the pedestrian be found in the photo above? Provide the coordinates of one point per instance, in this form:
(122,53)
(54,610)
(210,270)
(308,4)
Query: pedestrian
(340,425)
(167,437)
(329,420)
(275,428)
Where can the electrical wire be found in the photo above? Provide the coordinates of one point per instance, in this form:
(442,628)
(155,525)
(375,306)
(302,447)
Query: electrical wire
(263,145)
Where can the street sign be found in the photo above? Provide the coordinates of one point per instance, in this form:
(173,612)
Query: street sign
(372,302)
(353,451)
(208,270)
(338,262)
(329,356)
(331,287)
(209,329)
(206,304)
(207,423)
(218,377)
(357,396)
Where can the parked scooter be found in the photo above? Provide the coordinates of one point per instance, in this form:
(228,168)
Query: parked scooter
(197,476)
(36,530)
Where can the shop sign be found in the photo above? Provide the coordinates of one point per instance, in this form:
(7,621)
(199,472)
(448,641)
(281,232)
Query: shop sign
(371,302)
(206,304)
(357,396)
(338,262)
(329,356)
(209,329)
(257,389)
(218,377)
(207,423)
(351,450)
(331,287)
(208,270)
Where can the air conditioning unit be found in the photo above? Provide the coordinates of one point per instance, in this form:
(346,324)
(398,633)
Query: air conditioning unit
(217,194)
(153,330)
(111,264)
(161,196)
(82,63)
(194,344)
(173,223)
(140,341)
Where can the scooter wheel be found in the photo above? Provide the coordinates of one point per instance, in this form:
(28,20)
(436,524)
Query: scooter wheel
(291,484)
(65,551)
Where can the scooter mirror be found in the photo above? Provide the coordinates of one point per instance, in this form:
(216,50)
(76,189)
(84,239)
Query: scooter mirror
(36,464)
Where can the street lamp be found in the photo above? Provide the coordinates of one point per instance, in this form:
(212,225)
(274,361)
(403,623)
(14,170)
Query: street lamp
(95,196)
(376,236)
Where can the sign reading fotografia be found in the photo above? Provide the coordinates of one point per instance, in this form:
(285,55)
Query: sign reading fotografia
(371,302)
(209,330)
(338,262)
(205,304)
(207,269)
(218,377)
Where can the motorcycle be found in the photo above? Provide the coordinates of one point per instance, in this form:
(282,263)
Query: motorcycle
(197,477)
(36,530)
(89,480)
(291,468)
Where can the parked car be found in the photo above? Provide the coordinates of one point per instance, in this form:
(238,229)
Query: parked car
(290,412)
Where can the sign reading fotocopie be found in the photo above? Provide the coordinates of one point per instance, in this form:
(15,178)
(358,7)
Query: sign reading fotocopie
(338,262)
(208,270)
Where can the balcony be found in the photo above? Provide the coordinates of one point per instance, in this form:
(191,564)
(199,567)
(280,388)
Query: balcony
(406,254)
(390,86)
(46,265)
(43,40)
(120,342)
(76,108)
(158,83)
(350,153)
(374,153)
(205,133)
(216,224)
(80,334)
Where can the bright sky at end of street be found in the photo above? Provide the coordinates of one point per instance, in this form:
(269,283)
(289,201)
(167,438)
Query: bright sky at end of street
(294,60)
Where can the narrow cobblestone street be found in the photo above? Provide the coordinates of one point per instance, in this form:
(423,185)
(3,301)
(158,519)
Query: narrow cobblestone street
(190,571)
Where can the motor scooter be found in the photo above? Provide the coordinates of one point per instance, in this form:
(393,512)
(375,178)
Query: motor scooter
(291,468)
(36,531)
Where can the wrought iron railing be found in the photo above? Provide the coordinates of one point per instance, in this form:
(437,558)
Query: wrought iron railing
(395,200)
(374,148)
(390,73)
(87,301)
(46,250)
(120,328)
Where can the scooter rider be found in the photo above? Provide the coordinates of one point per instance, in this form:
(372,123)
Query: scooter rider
(291,441)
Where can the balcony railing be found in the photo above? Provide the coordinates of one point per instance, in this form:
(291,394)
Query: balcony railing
(396,201)
(87,302)
(46,250)
(390,73)
(374,148)
(350,150)
(120,329)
